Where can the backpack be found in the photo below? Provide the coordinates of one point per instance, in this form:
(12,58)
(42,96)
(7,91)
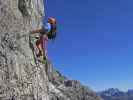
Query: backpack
(52,34)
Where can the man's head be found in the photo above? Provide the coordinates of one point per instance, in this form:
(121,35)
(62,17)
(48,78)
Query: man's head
(52,20)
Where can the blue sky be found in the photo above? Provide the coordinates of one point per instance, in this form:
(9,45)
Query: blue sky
(95,41)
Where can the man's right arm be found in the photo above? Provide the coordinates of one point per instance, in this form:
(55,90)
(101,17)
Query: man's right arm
(37,31)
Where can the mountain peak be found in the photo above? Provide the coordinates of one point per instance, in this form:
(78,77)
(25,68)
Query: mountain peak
(116,94)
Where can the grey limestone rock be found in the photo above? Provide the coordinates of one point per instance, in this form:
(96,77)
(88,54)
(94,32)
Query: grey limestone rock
(20,77)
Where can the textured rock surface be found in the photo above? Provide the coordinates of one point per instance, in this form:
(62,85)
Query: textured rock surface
(20,77)
(64,89)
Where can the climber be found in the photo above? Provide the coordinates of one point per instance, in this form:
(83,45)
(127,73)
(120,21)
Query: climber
(48,31)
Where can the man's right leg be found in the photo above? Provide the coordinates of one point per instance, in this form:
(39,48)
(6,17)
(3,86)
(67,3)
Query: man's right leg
(39,47)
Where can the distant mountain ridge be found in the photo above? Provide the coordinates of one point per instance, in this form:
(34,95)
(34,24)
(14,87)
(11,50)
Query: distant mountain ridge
(116,94)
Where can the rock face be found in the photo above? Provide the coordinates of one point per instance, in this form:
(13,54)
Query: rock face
(20,77)
(61,88)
